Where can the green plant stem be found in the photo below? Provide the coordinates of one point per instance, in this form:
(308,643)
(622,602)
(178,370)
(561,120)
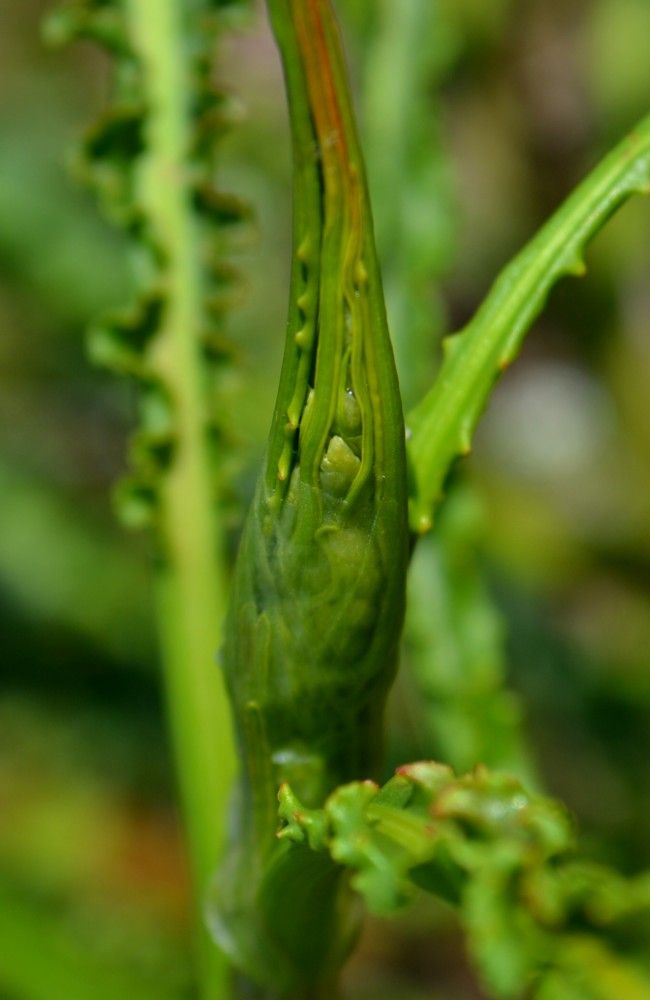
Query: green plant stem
(191,588)
(442,424)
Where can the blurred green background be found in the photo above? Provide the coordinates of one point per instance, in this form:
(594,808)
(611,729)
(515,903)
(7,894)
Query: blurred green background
(523,97)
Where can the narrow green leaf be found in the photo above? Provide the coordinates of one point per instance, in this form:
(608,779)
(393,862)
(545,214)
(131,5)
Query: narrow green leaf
(441,426)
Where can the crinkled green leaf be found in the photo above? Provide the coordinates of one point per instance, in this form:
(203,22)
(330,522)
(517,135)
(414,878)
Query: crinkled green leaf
(504,856)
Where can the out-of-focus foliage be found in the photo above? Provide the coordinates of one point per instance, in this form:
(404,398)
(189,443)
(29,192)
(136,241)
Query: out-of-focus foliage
(535,916)
(524,99)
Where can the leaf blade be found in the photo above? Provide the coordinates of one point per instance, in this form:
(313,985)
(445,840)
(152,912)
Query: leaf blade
(441,425)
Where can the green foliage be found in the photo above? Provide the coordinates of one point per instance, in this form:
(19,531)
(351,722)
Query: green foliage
(163,117)
(521,839)
(317,600)
(537,918)
(442,424)
(455,648)
(302,603)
